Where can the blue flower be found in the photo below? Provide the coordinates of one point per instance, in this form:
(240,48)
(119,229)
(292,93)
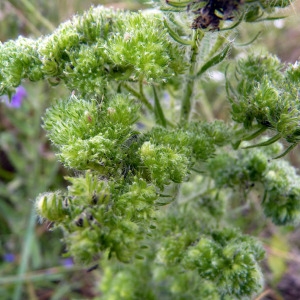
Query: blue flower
(17,98)
(68,262)
(9,257)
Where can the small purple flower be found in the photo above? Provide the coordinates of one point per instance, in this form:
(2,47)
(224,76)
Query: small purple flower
(9,257)
(17,98)
(67,262)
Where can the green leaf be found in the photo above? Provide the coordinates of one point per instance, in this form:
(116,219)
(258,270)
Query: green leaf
(175,36)
(178,3)
(254,134)
(234,25)
(252,41)
(214,61)
(272,140)
(290,148)
(269,19)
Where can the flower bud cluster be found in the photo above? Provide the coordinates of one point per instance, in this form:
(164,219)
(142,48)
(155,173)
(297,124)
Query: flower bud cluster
(164,164)
(51,206)
(18,59)
(236,255)
(98,215)
(282,194)
(267,96)
(253,167)
(168,154)
(90,51)
(114,205)
(111,209)
(90,135)
(188,250)
(149,280)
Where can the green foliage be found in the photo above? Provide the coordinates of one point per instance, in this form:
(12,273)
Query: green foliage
(19,60)
(164,164)
(235,255)
(87,57)
(135,204)
(251,168)
(98,215)
(91,135)
(281,200)
(266,96)
(51,207)
(182,256)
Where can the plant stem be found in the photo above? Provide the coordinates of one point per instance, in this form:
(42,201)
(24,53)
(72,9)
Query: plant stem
(54,273)
(189,88)
(25,253)
(35,184)
(141,97)
(32,13)
(159,113)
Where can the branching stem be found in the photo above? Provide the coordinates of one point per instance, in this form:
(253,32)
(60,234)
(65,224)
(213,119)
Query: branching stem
(138,95)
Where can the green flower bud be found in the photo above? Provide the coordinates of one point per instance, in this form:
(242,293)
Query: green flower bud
(83,245)
(164,164)
(282,194)
(293,72)
(52,206)
(138,202)
(155,59)
(235,255)
(89,190)
(89,135)
(19,59)
(267,96)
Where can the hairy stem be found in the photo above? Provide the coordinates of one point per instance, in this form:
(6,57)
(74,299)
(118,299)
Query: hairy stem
(189,88)
(138,95)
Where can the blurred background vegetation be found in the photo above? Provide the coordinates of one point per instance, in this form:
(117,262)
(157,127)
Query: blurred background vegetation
(32,265)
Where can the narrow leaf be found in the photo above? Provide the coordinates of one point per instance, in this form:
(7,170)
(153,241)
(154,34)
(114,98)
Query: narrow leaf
(178,3)
(249,137)
(234,25)
(175,36)
(214,61)
(164,203)
(268,19)
(290,148)
(254,134)
(266,143)
(253,40)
